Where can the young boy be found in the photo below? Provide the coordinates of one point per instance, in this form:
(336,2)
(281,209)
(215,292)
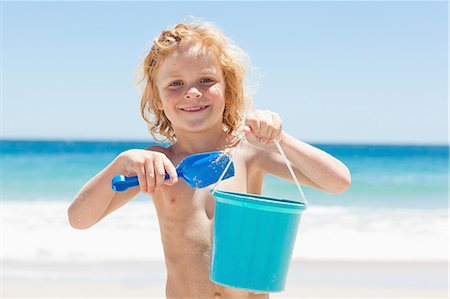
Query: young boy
(194,92)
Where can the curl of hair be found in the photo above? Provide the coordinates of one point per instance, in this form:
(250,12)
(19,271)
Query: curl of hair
(233,61)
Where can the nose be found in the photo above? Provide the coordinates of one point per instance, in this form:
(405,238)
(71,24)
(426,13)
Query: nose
(193,93)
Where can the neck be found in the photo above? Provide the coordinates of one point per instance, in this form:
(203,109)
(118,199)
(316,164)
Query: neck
(196,142)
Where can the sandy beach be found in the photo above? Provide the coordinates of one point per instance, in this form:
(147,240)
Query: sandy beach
(307,279)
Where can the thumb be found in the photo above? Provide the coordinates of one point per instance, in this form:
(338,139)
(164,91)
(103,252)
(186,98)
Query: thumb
(246,129)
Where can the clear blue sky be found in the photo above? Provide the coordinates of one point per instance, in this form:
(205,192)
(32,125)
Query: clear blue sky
(335,71)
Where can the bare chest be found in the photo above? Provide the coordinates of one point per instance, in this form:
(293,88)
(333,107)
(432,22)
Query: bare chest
(186,223)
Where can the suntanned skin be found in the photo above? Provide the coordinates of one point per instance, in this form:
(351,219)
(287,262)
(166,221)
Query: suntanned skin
(186,218)
(186,222)
(185,214)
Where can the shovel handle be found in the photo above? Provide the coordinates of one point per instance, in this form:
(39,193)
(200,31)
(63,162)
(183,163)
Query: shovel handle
(121,183)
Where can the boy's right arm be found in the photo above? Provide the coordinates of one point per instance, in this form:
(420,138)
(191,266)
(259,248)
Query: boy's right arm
(96,199)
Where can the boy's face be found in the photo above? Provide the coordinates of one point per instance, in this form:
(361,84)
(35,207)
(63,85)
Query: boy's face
(191,88)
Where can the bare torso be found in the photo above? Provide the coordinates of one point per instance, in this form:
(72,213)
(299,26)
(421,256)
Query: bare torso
(186,223)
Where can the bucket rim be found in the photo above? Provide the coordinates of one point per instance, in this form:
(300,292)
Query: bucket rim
(239,198)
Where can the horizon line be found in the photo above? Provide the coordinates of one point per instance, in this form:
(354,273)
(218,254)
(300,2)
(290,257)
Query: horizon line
(323,142)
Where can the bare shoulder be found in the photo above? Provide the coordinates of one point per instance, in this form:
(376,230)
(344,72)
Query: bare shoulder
(157,148)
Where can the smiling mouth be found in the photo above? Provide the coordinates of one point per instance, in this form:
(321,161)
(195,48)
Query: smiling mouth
(194,108)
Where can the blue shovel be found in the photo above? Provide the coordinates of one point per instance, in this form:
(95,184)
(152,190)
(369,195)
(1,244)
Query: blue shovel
(198,170)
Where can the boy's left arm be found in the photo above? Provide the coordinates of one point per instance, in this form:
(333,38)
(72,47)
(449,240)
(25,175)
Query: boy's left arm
(312,166)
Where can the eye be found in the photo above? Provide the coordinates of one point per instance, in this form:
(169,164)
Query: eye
(207,80)
(176,83)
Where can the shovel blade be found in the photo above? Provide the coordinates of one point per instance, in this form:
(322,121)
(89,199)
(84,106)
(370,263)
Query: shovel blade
(204,169)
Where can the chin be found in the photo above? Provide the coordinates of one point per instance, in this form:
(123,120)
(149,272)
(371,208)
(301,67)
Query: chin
(200,126)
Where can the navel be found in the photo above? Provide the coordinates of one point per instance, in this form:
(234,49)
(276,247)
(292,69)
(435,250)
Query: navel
(217,295)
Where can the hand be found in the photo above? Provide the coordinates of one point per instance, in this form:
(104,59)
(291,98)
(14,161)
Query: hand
(150,168)
(262,127)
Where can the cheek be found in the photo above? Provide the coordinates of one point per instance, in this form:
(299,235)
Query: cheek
(171,96)
(216,91)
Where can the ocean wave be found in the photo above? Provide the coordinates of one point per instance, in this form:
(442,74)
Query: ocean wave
(39,231)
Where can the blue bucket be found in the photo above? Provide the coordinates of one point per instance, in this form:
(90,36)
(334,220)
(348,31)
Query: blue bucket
(253,240)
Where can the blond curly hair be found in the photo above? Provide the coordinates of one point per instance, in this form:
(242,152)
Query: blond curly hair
(233,61)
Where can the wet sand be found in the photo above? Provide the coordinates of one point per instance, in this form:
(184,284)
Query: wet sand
(306,279)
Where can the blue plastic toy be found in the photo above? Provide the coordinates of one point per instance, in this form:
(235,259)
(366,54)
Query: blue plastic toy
(198,170)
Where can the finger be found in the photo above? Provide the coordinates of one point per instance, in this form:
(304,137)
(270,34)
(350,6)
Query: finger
(268,136)
(249,134)
(277,127)
(160,173)
(263,126)
(273,135)
(142,179)
(253,124)
(246,130)
(170,169)
(266,127)
(150,176)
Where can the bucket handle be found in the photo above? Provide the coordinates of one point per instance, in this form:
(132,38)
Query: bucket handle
(286,161)
(289,166)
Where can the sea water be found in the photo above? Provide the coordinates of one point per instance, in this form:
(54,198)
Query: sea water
(395,210)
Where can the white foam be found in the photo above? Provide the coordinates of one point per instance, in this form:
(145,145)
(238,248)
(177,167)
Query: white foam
(373,234)
(39,231)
